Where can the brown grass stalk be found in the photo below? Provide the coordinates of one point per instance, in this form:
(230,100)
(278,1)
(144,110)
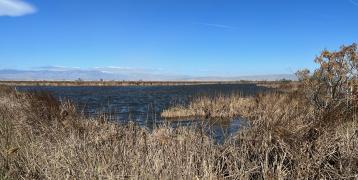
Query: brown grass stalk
(45,139)
(211,107)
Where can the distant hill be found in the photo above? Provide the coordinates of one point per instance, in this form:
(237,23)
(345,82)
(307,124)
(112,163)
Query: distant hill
(58,74)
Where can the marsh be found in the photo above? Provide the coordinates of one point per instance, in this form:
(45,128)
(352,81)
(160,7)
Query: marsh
(144,104)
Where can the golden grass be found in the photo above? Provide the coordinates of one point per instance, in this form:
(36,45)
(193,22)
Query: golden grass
(40,141)
(42,138)
(207,107)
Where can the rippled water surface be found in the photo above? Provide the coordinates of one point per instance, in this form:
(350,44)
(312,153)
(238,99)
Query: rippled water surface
(143,104)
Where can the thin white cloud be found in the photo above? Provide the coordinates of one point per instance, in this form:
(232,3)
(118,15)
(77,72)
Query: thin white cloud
(354,2)
(116,69)
(57,68)
(16,8)
(223,26)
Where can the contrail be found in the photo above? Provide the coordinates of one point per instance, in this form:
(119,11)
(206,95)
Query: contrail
(354,3)
(217,25)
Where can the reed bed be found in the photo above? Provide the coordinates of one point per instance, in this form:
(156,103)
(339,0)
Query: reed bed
(42,138)
(211,107)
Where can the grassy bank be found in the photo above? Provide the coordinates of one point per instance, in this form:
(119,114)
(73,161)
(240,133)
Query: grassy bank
(117,83)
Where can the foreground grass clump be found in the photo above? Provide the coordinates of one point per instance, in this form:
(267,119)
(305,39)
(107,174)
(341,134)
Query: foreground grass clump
(44,139)
(288,139)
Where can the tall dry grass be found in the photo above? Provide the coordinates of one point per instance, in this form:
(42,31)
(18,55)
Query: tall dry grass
(211,107)
(287,139)
(42,138)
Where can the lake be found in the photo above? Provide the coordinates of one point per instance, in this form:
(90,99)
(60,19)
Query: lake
(143,104)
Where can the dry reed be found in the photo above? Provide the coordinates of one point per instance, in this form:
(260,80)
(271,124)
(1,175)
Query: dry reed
(42,138)
(211,107)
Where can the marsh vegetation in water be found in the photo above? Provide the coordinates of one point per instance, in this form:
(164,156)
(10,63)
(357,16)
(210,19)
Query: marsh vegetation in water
(144,104)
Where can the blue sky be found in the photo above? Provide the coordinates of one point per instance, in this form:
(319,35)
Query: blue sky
(192,37)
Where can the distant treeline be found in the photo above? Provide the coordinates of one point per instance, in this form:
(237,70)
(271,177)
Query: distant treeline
(119,83)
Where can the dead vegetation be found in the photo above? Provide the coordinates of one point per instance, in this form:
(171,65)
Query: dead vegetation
(211,107)
(305,134)
(44,139)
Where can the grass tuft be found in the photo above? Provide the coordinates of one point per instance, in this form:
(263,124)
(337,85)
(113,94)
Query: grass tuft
(211,107)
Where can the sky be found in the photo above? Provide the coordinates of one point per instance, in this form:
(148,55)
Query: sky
(191,37)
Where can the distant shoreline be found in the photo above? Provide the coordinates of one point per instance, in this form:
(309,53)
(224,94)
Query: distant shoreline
(124,83)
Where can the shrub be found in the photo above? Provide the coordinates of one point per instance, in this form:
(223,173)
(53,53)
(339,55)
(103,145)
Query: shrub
(332,88)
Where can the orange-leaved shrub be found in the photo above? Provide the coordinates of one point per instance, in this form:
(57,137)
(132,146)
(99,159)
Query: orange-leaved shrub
(332,87)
